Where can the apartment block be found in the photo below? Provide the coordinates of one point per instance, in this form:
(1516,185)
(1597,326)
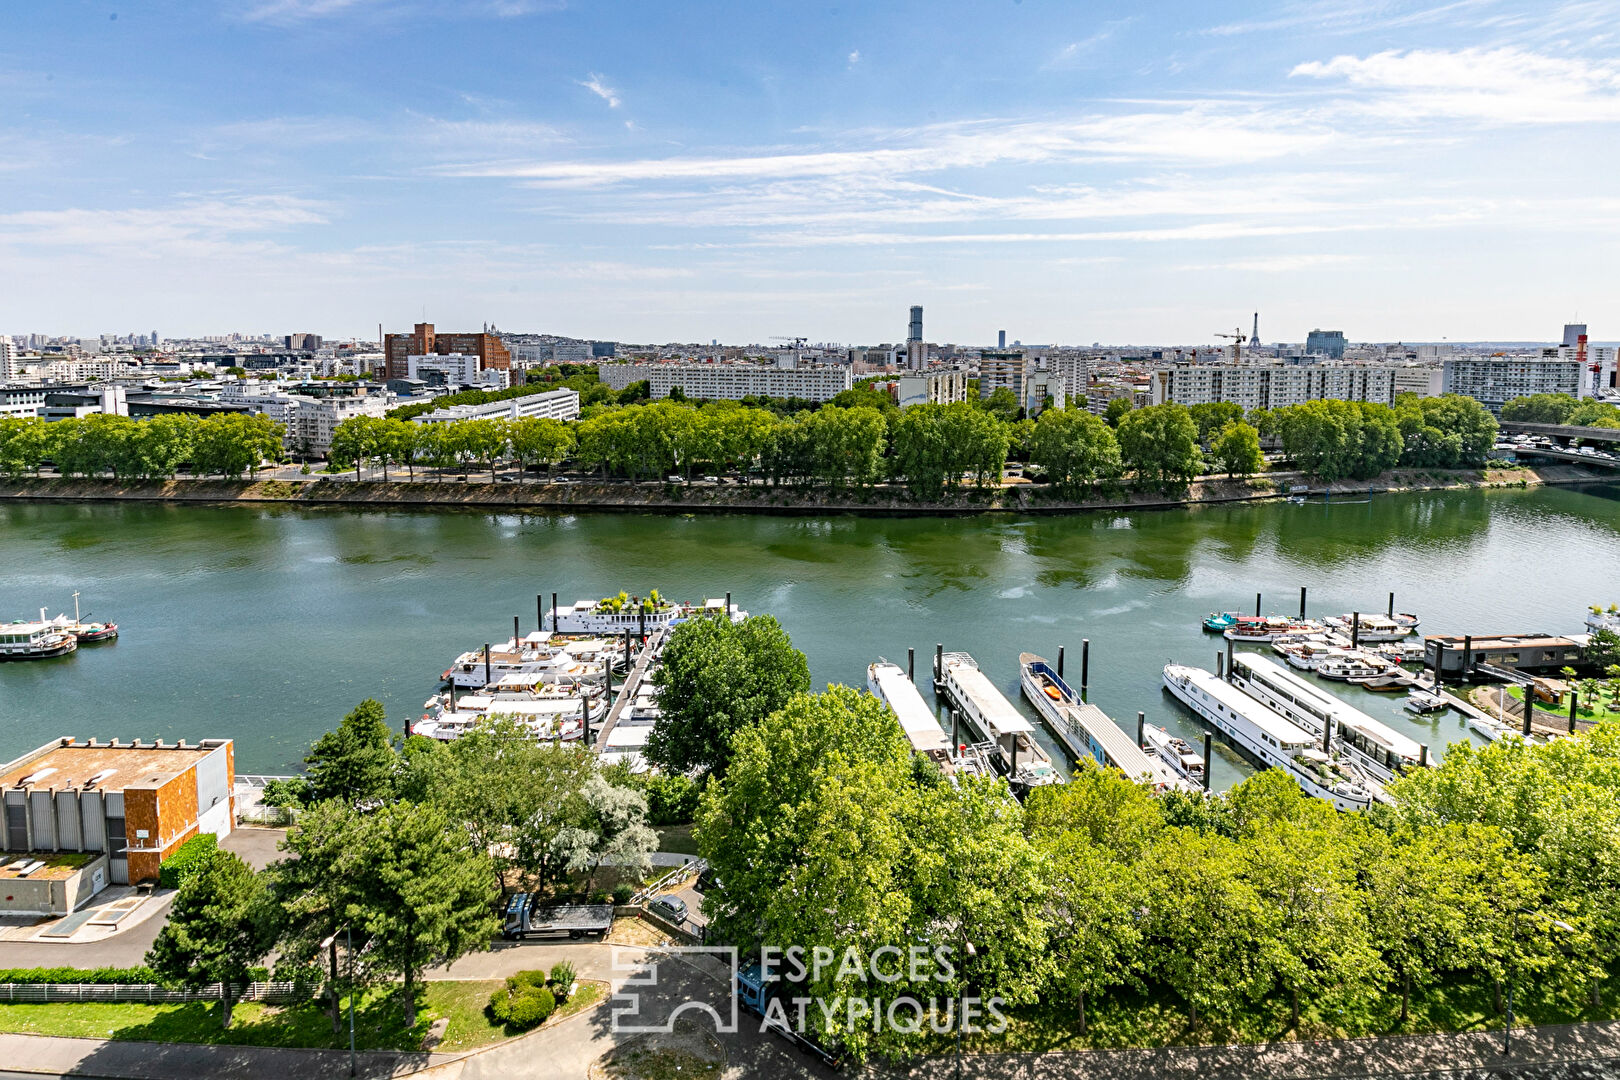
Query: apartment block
(127,806)
(424,339)
(1001,368)
(1495,380)
(733,382)
(945,387)
(551,405)
(1271,386)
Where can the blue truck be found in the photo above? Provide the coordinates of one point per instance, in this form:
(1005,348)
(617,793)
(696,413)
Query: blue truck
(755,993)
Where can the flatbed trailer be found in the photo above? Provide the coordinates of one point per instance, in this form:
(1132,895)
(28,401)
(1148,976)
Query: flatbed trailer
(526,915)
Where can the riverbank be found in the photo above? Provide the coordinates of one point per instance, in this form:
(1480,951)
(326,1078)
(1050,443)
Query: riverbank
(759,499)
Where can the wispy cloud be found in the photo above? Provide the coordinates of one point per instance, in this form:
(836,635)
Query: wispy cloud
(287,11)
(1348,17)
(602,90)
(148,229)
(854,57)
(1501,85)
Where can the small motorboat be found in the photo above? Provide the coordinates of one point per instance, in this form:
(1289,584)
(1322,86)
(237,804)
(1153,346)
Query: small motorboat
(1216,622)
(1425,701)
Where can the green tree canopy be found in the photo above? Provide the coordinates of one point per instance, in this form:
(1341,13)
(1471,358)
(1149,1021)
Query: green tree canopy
(1160,444)
(1077,450)
(218,930)
(355,762)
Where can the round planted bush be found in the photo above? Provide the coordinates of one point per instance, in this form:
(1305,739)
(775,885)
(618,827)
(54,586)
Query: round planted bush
(531,1007)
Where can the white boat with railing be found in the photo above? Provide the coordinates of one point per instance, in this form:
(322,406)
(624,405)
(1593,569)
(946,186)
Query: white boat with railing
(1086,729)
(1371,628)
(1369,744)
(1266,737)
(1419,700)
(1176,753)
(616,615)
(542,655)
(1014,752)
(35,640)
(1347,665)
(555,716)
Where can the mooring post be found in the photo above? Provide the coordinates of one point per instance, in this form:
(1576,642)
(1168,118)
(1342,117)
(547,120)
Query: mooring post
(586,701)
(728,607)
(1439,661)
(1220,669)
(1573,700)
(1228,656)
(1423,755)
(1257,605)
(1207,761)
(956,730)
(1529,706)
(1141,729)
(540,611)
(554,628)
(1327,733)
(1392,605)
(1060,661)
(517,635)
(641,621)
(1355,629)
(1085,665)
(1468,656)
(911,664)
(487,677)
(1302,601)
(939,662)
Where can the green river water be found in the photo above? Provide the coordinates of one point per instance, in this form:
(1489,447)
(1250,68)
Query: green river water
(265,624)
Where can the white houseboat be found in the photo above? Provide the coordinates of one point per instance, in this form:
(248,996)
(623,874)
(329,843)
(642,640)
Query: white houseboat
(542,655)
(993,720)
(1086,729)
(1370,628)
(889,683)
(614,616)
(1263,735)
(1174,752)
(35,640)
(1371,744)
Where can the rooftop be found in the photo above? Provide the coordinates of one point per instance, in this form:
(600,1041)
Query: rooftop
(58,864)
(72,764)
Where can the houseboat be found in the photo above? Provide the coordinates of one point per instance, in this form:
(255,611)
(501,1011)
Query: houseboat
(542,655)
(615,615)
(1013,751)
(85,632)
(1182,759)
(1261,734)
(1086,730)
(1374,746)
(552,717)
(35,640)
(889,683)
(1369,628)
(1269,627)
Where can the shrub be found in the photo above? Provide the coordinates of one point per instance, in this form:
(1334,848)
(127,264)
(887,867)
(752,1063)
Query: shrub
(291,791)
(191,857)
(57,975)
(562,980)
(520,1003)
(622,894)
(599,896)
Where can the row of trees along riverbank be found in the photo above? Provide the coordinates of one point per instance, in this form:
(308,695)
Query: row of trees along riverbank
(853,443)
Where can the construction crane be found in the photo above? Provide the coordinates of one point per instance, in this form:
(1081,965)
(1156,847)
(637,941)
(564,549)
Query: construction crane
(1238,339)
(798,342)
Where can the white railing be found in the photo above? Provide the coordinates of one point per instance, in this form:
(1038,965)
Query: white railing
(678,873)
(151,992)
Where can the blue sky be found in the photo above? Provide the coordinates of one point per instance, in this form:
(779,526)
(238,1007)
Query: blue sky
(1070,172)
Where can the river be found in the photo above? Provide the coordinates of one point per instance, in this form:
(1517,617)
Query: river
(265,624)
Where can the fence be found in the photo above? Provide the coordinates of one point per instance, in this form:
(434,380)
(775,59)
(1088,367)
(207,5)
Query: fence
(280,992)
(249,809)
(678,873)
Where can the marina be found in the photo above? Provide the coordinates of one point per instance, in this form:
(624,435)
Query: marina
(891,685)
(313,610)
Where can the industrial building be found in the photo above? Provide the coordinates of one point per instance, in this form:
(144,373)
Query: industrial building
(94,814)
(732,382)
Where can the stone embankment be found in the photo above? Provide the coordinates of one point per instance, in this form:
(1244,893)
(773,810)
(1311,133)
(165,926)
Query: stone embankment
(1018,498)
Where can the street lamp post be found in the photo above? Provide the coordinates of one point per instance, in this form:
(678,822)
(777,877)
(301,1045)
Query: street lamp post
(961,1015)
(331,943)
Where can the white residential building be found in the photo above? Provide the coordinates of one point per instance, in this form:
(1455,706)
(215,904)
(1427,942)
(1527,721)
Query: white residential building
(310,426)
(458,369)
(1495,380)
(1271,386)
(551,405)
(732,381)
(1424,381)
(942,387)
(8,359)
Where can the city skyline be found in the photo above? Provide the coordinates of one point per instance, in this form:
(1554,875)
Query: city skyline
(1403,172)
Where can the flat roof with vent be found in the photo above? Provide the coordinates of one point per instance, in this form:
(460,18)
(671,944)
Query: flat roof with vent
(116,767)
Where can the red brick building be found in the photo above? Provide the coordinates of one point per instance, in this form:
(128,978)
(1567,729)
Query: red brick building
(425,341)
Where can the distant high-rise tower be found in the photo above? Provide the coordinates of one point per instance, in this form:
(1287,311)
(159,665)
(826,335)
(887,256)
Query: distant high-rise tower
(1254,338)
(1572,334)
(915,333)
(1001,339)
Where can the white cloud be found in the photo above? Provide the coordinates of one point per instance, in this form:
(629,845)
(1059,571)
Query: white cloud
(602,90)
(854,57)
(298,10)
(1276,264)
(1502,85)
(168,229)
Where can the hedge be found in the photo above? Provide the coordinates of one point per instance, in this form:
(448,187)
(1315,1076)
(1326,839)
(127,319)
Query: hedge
(69,975)
(191,857)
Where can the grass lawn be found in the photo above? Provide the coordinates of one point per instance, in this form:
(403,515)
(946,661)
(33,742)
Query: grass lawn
(1606,709)
(379,1020)
(678,840)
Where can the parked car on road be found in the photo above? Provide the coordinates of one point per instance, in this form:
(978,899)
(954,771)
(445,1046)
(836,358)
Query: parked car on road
(672,908)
